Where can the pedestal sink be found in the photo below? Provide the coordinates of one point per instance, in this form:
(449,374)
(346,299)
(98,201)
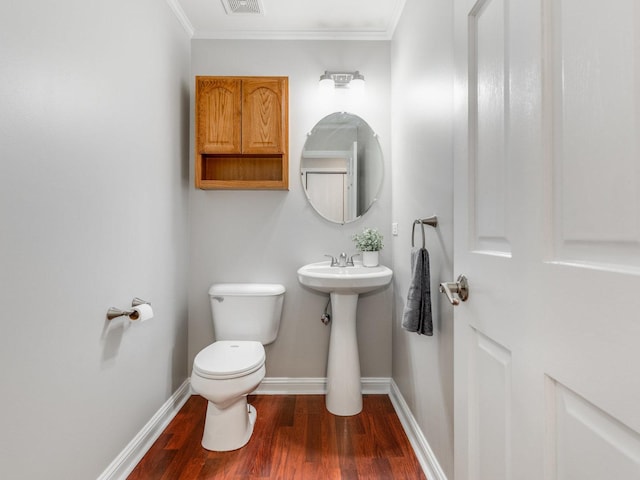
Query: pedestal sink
(344,284)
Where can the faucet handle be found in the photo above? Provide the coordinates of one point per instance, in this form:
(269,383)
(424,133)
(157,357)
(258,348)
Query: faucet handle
(334,262)
(350,261)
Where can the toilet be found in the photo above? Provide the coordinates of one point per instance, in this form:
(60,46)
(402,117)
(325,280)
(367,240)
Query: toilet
(246,316)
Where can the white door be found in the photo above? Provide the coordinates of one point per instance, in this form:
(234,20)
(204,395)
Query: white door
(326,192)
(547,231)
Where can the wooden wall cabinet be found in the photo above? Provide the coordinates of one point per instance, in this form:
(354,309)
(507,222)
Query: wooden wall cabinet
(242,133)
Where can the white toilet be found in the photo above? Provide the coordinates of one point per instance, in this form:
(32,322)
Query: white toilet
(246,316)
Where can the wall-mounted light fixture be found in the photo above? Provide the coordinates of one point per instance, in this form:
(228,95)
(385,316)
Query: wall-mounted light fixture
(329,80)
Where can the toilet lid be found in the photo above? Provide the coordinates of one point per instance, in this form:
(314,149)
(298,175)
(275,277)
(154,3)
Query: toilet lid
(229,359)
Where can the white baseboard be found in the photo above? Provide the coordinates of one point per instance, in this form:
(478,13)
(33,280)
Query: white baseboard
(124,463)
(421,447)
(316,386)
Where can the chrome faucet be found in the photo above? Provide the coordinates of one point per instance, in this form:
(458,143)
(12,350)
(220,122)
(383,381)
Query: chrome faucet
(343,260)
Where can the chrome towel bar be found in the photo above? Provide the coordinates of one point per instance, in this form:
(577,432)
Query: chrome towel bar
(431,221)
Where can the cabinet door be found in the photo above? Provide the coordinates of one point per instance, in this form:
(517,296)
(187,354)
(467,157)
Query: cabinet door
(264,103)
(219,107)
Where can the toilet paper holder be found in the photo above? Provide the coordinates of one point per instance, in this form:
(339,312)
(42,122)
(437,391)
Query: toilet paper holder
(132,314)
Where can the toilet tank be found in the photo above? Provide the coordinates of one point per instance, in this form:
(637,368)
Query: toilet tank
(246,311)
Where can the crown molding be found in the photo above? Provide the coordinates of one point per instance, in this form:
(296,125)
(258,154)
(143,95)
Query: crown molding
(295,35)
(391,29)
(182,17)
(354,35)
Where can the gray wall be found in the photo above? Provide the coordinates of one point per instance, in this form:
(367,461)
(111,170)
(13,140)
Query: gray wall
(422,79)
(265,236)
(94,138)
(95,135)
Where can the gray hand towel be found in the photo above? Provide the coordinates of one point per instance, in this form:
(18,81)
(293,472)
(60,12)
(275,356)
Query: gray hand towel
(417,311)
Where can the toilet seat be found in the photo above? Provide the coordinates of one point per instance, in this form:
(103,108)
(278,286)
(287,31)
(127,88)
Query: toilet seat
(227,359)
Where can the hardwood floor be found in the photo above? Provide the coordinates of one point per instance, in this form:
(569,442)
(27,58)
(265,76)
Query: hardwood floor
(295,437)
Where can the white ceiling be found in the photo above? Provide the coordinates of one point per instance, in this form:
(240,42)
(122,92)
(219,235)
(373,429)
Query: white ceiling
(293,19)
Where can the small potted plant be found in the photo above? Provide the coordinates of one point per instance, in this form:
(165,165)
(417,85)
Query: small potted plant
(369,242)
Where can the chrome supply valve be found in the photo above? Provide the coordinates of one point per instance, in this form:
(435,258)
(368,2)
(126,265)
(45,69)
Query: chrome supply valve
(325,318)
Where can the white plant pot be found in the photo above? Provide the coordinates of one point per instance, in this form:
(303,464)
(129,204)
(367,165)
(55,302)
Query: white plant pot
(370,259)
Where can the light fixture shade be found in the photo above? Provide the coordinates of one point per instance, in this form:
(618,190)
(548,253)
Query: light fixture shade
(326,82)
(352,80)
(357,82)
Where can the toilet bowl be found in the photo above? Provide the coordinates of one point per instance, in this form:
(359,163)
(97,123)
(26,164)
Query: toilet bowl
(225,373)
(246,317)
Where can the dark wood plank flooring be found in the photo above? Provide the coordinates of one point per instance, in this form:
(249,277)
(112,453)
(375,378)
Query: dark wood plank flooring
(295,437)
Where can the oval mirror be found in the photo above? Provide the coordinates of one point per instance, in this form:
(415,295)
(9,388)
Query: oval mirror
(341,167)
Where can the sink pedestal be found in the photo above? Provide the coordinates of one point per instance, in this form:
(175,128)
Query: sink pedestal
(344,395)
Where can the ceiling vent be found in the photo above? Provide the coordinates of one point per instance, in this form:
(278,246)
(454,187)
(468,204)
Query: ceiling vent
(243,7)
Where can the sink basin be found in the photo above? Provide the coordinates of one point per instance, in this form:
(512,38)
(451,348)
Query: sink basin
(323,277)
(344,284)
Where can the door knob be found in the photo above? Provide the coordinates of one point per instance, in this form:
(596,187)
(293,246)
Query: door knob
(460,287)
